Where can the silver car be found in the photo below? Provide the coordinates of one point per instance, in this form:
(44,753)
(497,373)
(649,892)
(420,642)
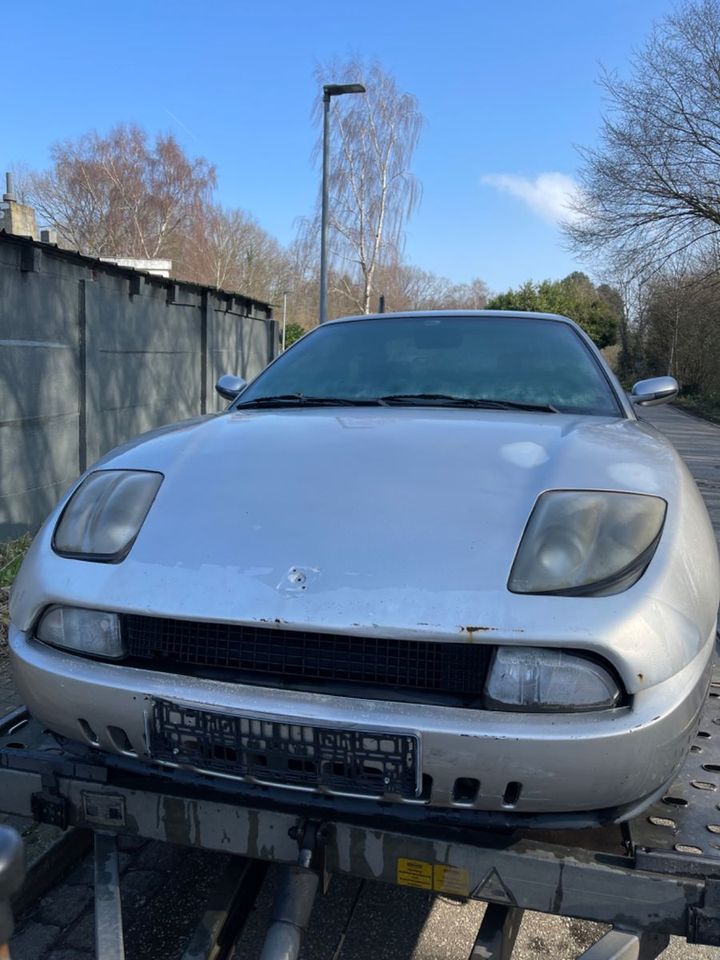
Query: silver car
(427,559)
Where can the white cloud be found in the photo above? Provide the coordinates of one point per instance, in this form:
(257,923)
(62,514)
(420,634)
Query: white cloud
(549,195)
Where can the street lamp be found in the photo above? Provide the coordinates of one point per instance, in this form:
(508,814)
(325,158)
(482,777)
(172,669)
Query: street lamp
(329,90)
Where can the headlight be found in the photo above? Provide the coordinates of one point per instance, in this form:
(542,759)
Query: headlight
(535,679)
(587,543)
(105,514)
(92,632)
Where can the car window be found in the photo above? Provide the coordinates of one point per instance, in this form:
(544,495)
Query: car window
(512,359)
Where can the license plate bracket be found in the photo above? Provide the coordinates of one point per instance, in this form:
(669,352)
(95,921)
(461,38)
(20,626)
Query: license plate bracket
(365,762)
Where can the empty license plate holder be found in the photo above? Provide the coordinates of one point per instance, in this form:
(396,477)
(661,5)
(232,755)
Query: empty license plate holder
(305,755)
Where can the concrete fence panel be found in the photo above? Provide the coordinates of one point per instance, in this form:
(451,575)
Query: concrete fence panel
(92,354)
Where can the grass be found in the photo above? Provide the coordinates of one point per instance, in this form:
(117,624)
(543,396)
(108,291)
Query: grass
(11,556)
(701,406)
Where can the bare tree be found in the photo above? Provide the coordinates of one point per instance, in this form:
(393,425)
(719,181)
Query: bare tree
(406,287)
(652,188)
(473,295)
(117,195)
(677,330)
(229,249)
(372,191)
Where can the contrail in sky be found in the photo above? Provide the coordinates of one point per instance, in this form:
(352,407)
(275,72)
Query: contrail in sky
(180,123)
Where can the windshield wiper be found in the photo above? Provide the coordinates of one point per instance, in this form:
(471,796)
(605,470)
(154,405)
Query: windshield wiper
(301,400)
(518,405)
(404,399)
(422,399)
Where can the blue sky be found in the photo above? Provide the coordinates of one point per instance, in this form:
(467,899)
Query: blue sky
(507,89)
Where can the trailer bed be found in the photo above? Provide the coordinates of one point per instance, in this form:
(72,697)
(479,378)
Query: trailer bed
(652,877)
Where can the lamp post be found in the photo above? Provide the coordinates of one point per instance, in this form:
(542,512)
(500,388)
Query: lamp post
(329,90)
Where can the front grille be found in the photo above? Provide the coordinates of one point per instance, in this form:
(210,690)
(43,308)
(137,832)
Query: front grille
(299,658)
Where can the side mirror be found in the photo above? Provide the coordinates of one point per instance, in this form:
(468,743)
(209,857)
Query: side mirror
(650,393)
(229,386)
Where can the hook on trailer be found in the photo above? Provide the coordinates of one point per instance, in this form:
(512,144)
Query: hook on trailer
(311,836)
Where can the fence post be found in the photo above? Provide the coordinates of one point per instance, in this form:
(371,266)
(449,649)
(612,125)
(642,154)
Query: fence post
(204,323)
(82,377)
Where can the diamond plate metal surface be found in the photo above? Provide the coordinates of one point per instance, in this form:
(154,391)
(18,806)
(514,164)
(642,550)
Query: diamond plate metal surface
(681,833)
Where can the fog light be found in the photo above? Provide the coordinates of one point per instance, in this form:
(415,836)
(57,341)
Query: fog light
(537,679)
(93,632)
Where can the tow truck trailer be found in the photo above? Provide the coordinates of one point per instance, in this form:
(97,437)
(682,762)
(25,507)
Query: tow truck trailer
(651,877)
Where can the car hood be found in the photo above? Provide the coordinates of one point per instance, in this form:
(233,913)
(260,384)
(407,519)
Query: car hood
(421,500)
(411,496)
(396,522)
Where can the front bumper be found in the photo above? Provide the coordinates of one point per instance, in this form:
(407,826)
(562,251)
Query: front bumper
(561,762)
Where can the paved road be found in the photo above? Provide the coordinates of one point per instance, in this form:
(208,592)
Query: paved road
(355,919)
(698,442)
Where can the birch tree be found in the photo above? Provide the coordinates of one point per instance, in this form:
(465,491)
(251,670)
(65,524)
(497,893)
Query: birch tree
(372,191)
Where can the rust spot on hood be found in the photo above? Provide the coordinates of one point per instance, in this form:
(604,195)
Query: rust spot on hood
(471,631)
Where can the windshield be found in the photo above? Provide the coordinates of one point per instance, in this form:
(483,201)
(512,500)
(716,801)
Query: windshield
(426,360)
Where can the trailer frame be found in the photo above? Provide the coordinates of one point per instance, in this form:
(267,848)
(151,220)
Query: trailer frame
(655,876)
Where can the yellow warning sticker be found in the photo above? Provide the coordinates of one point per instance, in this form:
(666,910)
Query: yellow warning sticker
(414,873)
(452,880)
(433,876)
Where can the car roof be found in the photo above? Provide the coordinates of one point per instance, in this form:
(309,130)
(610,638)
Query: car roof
(470,314)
